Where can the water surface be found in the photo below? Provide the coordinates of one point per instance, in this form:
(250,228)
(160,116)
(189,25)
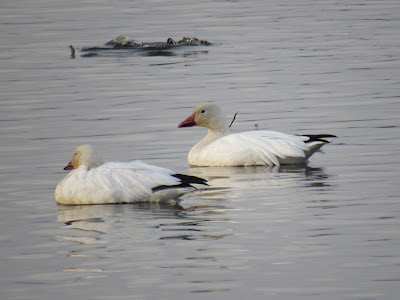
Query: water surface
(328,230)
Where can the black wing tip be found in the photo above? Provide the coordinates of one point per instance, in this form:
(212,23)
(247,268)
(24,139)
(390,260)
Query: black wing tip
(186,181)
(319,137)
(189,179)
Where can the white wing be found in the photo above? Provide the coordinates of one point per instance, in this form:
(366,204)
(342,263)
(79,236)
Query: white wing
(113,182)
(252,148)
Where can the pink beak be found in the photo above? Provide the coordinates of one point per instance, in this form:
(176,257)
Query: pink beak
(69,166)
(189,122)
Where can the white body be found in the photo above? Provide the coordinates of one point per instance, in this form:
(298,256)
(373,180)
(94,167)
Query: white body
(117,182)
(92,182)
(220,148)
(252,148)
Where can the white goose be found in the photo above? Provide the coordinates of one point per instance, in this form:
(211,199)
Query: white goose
(92,182)
(251,148)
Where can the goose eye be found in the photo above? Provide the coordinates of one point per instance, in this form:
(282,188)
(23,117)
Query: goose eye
(203,111)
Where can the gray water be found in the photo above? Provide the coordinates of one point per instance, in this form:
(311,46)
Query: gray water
(330,230)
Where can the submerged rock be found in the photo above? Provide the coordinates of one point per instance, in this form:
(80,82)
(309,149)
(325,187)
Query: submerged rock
(123,41)
(188,41)
(126,42)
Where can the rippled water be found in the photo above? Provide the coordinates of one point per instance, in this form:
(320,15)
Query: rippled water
(326,231)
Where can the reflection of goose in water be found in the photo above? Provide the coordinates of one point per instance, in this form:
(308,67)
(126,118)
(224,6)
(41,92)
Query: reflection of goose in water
(100,218)
(93,233)
(103,239)
(167,220)
(70,214)
(261,176)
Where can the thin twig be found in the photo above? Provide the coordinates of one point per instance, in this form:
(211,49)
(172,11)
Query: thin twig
(72,51)
(234,117)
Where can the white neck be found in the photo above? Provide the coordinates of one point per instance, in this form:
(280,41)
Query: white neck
(211,117)
(211,137)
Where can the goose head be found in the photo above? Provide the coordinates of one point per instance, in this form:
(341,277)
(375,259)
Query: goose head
(207,115)
(84,155)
